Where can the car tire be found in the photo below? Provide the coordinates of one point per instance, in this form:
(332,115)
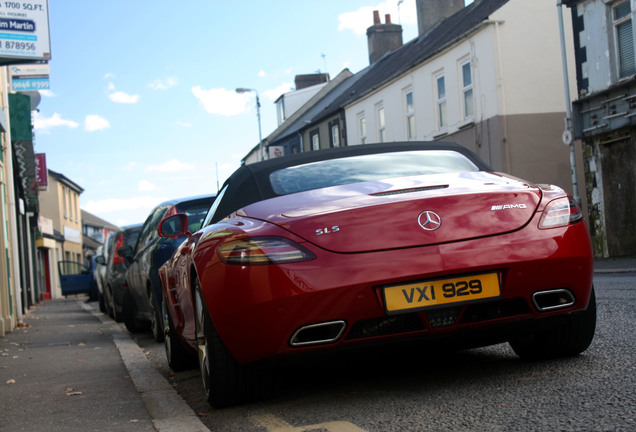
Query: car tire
(225,382)
(179,358)
(156,323)
(570,338)
(129,312)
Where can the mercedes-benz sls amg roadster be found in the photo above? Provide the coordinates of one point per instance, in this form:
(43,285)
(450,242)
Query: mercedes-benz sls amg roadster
(373,244)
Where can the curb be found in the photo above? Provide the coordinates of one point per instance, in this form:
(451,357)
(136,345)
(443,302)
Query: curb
(611,271)
(168,411)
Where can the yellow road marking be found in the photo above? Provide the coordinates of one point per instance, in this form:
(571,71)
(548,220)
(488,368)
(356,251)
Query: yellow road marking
(274,424)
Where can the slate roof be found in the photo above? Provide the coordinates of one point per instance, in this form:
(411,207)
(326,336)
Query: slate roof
(91,219)
(68,182)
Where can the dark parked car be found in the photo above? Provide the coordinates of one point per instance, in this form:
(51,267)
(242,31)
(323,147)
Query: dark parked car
(114,282)
(142,300)
(99,271)
(371,245)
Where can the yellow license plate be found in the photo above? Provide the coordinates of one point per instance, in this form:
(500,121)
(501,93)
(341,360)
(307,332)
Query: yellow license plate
(440,292)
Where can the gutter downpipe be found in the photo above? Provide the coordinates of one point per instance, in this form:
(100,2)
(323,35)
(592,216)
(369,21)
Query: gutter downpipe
(502,99)
(13,222)
(567,134)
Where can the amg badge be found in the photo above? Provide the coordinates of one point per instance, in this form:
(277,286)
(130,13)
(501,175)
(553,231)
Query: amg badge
(508,207)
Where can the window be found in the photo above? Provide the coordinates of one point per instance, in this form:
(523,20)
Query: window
(370,167)
(467,88)
(362,128)
(622,17)
(334,129)
(381,124)
(65,195)
(409,109)
(315,140)
(149,229)
(441,101)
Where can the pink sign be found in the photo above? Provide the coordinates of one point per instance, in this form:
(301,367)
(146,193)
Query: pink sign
(41,173)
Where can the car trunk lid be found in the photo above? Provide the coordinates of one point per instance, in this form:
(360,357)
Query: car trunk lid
(406,212)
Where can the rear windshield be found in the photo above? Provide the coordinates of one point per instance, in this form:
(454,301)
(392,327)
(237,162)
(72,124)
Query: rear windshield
(363,168)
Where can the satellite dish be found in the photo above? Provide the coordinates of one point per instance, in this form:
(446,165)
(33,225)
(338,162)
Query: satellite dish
(35,98)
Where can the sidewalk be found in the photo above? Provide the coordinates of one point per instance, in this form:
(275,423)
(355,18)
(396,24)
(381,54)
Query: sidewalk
(74,369)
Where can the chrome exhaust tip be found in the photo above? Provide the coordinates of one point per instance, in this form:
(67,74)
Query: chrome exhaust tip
(551,300)
(317,334)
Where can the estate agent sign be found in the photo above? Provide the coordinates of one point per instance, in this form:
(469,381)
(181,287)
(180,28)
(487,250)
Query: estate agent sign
(24,31)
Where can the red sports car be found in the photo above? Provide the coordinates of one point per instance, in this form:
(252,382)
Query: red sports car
(372,244)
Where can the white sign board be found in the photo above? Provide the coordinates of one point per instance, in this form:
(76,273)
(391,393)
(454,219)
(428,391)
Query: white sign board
(276,151)
(24,31)
(29,77)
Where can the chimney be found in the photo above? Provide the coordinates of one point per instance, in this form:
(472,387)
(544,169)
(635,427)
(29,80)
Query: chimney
(383,38)
(430,12)
(308,80)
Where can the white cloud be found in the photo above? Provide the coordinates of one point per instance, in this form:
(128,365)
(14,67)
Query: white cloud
(42,123)
(109,76)
(95,122)
(129,166)
(183,124)
(47,93)
(222,101)
(261,73)
(275,93)
(111,86)
(145,186)
(358,21)
(121,97)
(163,84)
(173,165)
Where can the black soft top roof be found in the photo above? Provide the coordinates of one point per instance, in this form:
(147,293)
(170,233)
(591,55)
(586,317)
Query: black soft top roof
(250,183)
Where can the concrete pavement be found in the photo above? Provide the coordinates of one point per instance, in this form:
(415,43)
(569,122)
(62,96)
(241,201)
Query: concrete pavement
(72,368)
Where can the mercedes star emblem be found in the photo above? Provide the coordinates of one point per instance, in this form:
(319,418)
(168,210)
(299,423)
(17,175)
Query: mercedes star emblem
(429,220)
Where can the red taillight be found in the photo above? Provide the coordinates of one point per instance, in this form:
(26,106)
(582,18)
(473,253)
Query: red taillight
(262,251)
(560,212)
(120,243)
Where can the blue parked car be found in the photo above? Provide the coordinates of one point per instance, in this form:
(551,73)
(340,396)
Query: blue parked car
(143,296)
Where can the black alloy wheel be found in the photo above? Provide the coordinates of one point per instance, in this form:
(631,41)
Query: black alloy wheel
(178,357)
(156,323)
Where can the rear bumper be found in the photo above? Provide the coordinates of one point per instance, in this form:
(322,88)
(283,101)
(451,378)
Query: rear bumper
(272,303)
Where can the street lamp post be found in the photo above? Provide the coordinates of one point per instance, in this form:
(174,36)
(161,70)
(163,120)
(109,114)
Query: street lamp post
(258,115)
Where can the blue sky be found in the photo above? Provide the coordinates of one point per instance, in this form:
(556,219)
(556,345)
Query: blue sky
(142,106)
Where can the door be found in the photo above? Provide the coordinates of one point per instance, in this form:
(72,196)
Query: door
(75,278)
(619,186)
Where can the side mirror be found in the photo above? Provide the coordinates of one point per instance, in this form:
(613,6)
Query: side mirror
(174,226)
(100,260)
(126,252)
